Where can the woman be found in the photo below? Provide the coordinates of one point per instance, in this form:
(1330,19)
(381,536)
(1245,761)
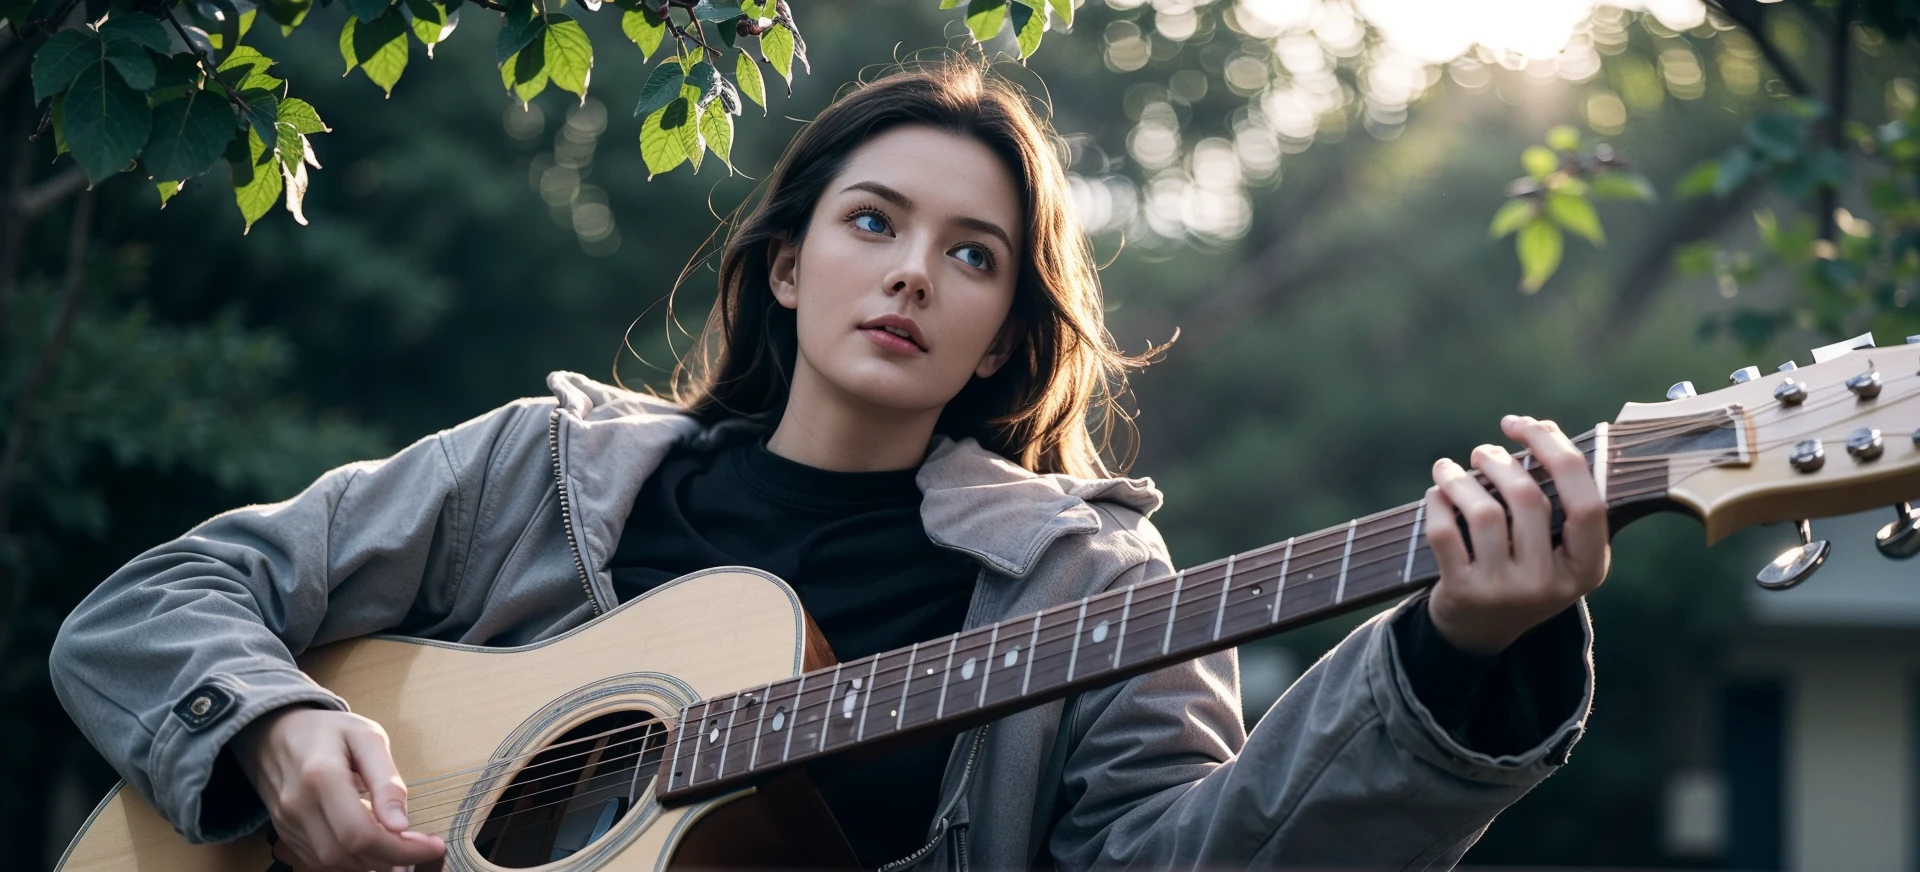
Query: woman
(893,414)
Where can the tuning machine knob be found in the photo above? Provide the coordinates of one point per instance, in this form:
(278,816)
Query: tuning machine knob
(1743,375)
(1900,539)
(1789,366)
(1797,564)
(1681,391)
(1866,385)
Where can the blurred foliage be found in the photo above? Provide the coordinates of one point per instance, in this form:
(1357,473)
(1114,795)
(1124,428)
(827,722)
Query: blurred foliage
(1340,329)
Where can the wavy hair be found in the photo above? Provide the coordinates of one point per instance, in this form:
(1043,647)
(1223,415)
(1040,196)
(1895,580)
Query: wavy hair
(1054,407)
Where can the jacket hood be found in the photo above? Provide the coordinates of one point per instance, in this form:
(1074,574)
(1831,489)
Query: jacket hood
(975,501)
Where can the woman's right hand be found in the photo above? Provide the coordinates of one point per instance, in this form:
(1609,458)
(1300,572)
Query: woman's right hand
(329,782)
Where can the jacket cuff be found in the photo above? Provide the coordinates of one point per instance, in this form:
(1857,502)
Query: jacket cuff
(1558,653)
(215,803)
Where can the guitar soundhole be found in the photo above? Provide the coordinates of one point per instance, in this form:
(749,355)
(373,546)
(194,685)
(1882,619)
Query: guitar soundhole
(573,792)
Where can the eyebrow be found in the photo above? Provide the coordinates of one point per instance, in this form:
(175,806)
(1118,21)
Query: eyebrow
(903,201)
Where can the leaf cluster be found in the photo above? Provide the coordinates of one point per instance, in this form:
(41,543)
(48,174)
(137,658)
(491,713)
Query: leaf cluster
(1556,197)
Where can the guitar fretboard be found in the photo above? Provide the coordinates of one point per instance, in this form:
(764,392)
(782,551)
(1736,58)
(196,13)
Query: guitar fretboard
(978,674)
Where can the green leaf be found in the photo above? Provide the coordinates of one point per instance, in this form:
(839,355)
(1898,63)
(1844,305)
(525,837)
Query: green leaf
(61,60)
(1576,214)
(1029,24)
(985,18)
(525,73)
(1699,180)
(368,10)
(748,74)
(1540,162)
(949,4)
(106,121)
(167,190)
(1563,138)
(702,79)
(519,27)
(288,145)
(262,111)
(131,61)
(661,148)
(256,179)
(716,12)
(1735,169)
(302,116)
(346,44)
(1540,246)
(1512,215)
(246,68)
(290,13)
(1063,10)
(645,29)
(682,118)
(142,29)
(381,48)
(1623,185)
(569,55)
(188,136)
(776,47)
(431,22)
(1778,135)
(716,127)
(660,89)
(174,76)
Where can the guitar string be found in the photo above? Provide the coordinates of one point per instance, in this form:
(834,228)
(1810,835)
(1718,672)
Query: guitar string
(1396,547)
(979,645)
(1647,433)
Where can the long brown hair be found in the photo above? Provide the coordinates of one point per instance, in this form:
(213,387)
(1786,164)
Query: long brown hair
(1046,406)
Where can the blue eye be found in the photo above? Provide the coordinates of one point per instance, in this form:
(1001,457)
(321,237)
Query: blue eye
(870,222)
(974,256)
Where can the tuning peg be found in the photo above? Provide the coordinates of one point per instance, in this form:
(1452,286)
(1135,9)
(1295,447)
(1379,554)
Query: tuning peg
(1900,539)
(1912,340)
(1789,366)
(1795,565)
(1828,352)
(1744,374)
(1681,391)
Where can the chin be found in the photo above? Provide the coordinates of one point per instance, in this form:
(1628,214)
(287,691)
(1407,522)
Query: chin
(900,390)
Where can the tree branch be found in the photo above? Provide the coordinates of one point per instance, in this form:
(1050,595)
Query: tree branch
(1833,131)
(1750,21)
(32,202)
(12,592)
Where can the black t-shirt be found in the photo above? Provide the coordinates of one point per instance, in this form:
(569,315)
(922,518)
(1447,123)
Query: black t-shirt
(851,544)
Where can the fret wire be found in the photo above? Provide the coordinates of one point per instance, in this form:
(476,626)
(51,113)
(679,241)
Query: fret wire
(793,723)
(1280,586)
(693,769)
(1340,592)
(1220,611)
(826,708)
(1413,541)
(680,744)
(900,717)
(1120,640)
(760,732)
(1166,642)
(1073,650)
(1033,646)
(986,665)
(946,676)
(861,731)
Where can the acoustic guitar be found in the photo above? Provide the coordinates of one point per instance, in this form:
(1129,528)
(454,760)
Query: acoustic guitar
(665,731)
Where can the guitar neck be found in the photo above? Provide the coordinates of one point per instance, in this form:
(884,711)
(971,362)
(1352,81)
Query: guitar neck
(954,681)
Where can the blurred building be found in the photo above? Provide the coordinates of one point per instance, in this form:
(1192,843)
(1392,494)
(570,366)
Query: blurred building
(1818,723)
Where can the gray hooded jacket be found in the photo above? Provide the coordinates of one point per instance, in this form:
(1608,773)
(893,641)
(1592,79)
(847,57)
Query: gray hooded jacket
(499,531)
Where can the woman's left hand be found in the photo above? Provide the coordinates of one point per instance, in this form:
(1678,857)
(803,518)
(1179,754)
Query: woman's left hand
(1515,578)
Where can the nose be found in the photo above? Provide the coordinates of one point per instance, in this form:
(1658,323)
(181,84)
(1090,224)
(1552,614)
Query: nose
(911,278)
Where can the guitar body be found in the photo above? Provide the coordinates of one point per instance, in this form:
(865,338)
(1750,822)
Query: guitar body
(485,714)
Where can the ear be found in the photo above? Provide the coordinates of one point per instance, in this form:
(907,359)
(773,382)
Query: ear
(783,270)
(999,352)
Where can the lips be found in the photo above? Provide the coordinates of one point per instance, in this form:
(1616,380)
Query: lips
(897,332)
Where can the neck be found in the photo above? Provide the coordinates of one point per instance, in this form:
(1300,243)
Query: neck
(826,428)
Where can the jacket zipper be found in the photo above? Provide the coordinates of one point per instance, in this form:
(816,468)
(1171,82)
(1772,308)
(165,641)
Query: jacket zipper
(566,511)
(966,774)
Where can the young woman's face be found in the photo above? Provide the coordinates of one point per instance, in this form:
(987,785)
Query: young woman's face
(903,281)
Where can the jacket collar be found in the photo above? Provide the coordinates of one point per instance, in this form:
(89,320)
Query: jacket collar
(975,501)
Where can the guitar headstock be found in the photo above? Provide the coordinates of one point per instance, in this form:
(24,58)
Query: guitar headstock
(1838,436)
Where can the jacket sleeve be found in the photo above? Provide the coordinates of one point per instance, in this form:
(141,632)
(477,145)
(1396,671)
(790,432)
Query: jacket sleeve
(1347,768)
(182,647)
